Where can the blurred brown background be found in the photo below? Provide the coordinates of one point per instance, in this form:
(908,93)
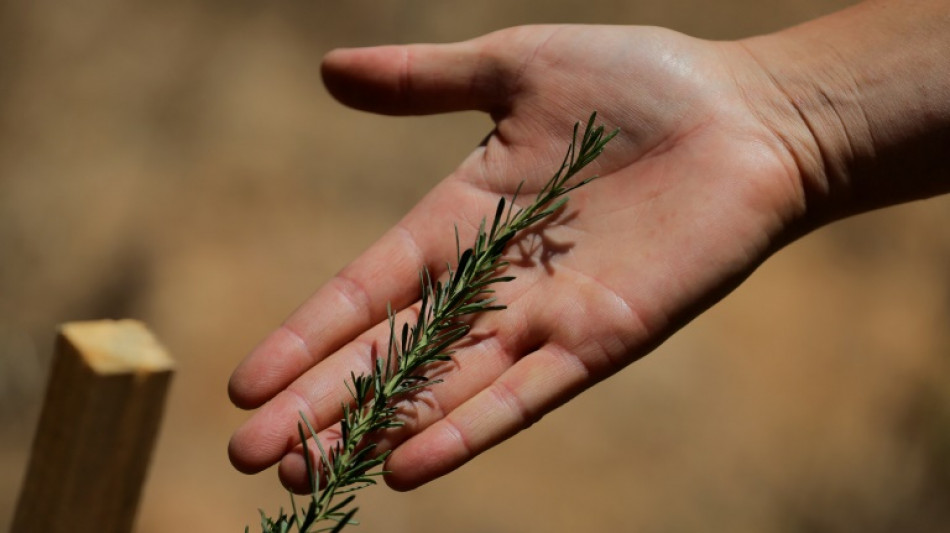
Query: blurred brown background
(180,162)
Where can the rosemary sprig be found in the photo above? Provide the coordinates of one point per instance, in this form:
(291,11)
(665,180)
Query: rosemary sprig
(464,291)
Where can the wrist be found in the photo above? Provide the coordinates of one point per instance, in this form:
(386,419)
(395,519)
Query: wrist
(861,100)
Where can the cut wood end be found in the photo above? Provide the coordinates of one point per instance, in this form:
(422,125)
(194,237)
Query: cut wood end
(117,346)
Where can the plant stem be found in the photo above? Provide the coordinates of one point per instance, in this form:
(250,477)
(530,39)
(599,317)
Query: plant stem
(442,321)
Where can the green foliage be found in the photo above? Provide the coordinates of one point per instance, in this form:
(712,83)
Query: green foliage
(464,291)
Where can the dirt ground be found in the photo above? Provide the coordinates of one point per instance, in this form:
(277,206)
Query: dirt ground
(180,162)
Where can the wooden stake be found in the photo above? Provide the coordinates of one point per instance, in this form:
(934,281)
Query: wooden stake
(103,406)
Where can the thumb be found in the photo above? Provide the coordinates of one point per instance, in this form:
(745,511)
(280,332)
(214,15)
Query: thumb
(420,78)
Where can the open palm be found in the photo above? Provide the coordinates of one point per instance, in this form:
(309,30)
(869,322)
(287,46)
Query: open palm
(695,192)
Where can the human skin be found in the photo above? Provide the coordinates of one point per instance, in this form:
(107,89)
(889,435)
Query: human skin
(728,151)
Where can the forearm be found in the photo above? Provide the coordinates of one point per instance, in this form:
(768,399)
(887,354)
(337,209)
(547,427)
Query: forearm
(863,104)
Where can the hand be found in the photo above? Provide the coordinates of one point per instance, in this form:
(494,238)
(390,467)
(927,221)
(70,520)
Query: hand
(695,192)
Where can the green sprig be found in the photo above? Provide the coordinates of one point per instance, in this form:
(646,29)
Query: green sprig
(350,464)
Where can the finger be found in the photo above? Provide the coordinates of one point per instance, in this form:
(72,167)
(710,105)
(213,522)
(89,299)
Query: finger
(480,74)
(414,79)
(264,438)
(532,387)
(585,333)
(560,317)
(317,395)
(356,299)
(473,368)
